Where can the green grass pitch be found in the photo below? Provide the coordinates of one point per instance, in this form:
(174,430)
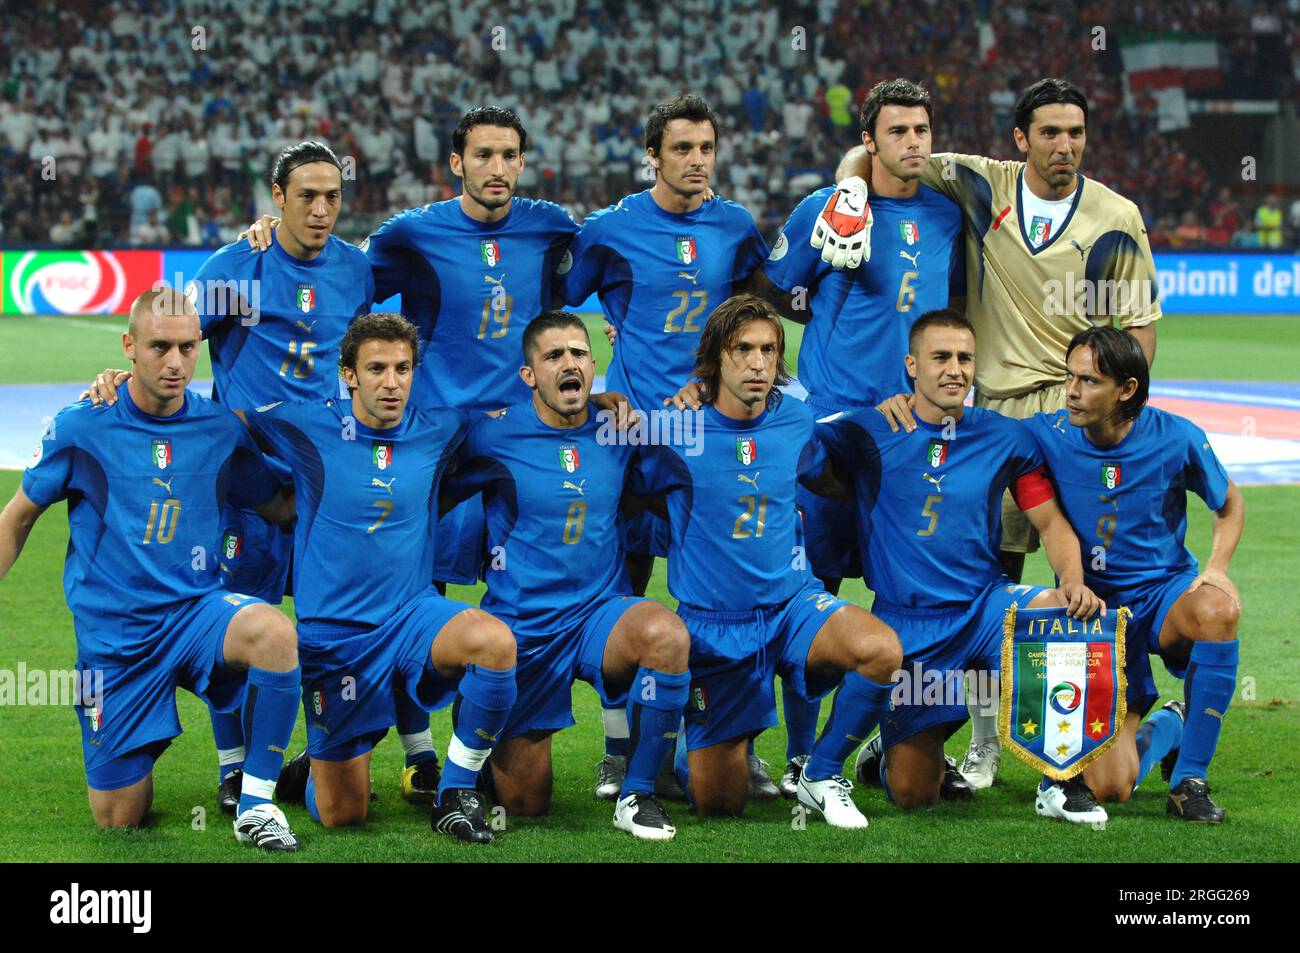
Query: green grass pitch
(44,815)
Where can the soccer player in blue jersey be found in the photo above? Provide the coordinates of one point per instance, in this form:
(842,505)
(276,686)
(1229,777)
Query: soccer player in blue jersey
(660,261)
(928,514)
(1123,471)
(273,323)
(736,566)
(552,473)
(366,475)
(145,481)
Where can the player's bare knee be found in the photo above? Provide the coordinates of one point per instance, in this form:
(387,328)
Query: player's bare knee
(1115,791)
(534,802)
(351,813)
(721,804)
(491,644)
(878,655)
(1216,620)
(665,645)
(913,794)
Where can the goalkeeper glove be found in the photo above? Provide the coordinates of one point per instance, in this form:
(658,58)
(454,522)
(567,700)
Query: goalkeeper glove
(843,229)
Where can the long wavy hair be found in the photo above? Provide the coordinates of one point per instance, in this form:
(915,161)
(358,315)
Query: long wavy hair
(721,332)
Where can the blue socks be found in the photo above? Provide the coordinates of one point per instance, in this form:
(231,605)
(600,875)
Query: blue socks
(1156,737)
(800,721)
(311,798)
(1211,681)
(654,710)
(228,732)
(856,710)
(270,710)
(483,704)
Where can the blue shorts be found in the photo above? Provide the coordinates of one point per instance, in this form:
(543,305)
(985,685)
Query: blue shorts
(546,671)
(462,544)
(734,656)
(255,555)
(646,535)
(948,643)
(1150,605)
(830,529)
(350,676)
(125,731)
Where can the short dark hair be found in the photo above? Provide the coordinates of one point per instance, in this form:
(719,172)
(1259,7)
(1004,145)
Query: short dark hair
(940,318)
(546,321)
(487,116)
(301,153)
(1119,356)
(892,92)
(1048,92)
(684,106)
(720,332)
(378,326)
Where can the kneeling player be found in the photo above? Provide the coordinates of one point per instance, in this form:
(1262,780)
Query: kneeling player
(928,517)
(1123,471)
(145,481)
(552,482)
(736,565)
(370,625)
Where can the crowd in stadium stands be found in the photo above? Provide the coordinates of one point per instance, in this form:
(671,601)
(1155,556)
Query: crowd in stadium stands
(148,122)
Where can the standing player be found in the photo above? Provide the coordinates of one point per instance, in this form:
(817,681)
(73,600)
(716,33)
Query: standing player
(370,624)
(660,261)
(552,482)
(927,515)
(145,481)
(851,355)
(273,324)
(1049,253)
(732,566)
(1123,470)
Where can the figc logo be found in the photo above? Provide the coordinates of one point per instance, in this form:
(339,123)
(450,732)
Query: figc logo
(76,282)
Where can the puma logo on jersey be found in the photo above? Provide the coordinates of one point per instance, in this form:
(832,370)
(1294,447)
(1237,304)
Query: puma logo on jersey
(496,281)
(1082,249)
(577,487)
(936,481)
(911,258)
(752,481)
(305,326)
(375,481)
(689,275)
(165,484)
(1059,424)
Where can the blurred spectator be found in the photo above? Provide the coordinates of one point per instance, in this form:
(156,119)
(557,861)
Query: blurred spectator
(1268,222)
(64,232)
(151,231)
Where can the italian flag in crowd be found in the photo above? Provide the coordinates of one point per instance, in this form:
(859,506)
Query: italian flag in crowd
(1166,67)
(988,40)
(1059,701)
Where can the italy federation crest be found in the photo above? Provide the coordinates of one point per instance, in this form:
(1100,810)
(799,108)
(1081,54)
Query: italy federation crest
(1110,475)
(569,457)
(1063,688)
(909,231)
(686,249)
(381,454)
(306,298)
(746,450)
(936,455)
(162,453)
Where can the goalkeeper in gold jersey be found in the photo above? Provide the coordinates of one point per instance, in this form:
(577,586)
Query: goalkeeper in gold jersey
(1049,253)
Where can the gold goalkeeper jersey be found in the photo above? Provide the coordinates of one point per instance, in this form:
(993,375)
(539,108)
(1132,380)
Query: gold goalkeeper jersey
(1026,302)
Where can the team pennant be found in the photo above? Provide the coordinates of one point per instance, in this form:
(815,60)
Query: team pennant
(1063,687)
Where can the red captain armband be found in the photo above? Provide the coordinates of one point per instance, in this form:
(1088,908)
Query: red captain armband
(1032,489)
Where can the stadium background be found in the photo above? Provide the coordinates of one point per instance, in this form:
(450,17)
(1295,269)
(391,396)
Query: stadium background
(135,135)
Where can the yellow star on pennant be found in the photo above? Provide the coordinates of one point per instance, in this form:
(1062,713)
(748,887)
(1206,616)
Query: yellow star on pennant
(1096,727)
(1062,750)
(1063,727)
(1029,727)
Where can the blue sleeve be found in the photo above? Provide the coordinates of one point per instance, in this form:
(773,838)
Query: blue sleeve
(385,250)
(48,476)
(1029,454)
(753,251)
(656,470)
(212,304)
(957,265)
(1205,474)
(252,483)
(813,459)
(586,265)
(262,427)
(793,262)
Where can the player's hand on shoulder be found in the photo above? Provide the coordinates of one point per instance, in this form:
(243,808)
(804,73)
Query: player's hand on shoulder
(625,416)
(843,227)
(1081,602)
(611,333)
(258,235)
(690,396)
(1218,580)
(103,389)
(898,411)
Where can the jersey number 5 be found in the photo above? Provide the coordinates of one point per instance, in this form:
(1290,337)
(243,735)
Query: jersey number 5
(931,501)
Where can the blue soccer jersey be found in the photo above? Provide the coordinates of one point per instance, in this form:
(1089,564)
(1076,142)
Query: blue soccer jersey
(736,536)
(471,288)
(144,510)
(1128,503)
(367,505)
(274,322)
(659,276)
(930,502)
(852,352)
(552,499)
